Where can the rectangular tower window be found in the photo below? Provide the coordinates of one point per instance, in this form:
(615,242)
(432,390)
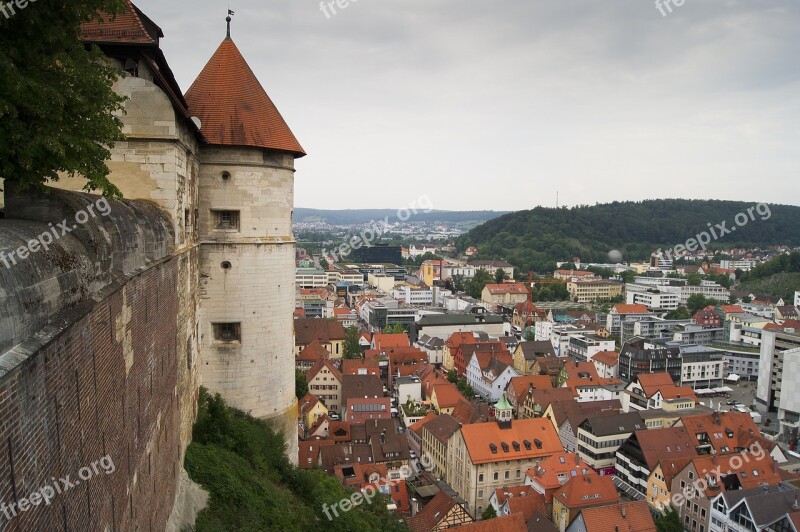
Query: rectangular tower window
(226,220)
(227,332)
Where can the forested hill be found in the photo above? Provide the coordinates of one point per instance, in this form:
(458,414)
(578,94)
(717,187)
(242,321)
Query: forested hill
(535,239)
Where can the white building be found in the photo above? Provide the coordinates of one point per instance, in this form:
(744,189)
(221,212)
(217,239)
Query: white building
(410,295)
(407,389)
(489,381)
(702,367)
(744,265)
(310,278)
(651,297)
(797,299)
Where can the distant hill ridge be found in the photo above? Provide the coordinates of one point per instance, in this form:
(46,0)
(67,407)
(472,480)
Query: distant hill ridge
(537,238)
(362,216)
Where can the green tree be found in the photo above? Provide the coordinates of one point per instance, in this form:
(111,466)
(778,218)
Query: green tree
(242,463)
(352,346)
(489,513)
(58,112)
(628,276)
(457,282)
(452,376)
(324,263)
(694,279)
(499,275)
(669,522)
(300,384)
(680,313)
(478,282)
(699,301)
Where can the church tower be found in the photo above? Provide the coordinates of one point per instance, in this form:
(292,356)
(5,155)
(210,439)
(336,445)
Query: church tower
(247,249)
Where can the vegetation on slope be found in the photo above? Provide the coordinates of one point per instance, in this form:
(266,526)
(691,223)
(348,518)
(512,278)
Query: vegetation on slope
(778,277)
(534,240)
(242,463)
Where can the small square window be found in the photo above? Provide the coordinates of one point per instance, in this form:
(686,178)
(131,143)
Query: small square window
(227,332)
(226,220)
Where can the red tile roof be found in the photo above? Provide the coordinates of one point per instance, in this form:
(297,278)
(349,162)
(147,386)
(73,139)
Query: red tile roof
(508,523)
(587,490)
(546,473)
(319,365)
(313,352)
(507,288)
(484,441)
(433,513)
(623,517)
(609,358)
(131,26)
(416,427)
(387,341)
(652,382)
(629,309)
(234,108)
(447,395)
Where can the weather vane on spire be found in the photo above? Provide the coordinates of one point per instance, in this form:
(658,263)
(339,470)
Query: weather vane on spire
(228,20)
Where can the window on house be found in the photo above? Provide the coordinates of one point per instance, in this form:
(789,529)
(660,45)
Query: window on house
(226,220)
(227,332)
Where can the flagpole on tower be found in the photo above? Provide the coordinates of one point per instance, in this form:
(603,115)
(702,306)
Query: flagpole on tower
(228,20)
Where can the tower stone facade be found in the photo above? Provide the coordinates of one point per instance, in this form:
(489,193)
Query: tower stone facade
(220,162)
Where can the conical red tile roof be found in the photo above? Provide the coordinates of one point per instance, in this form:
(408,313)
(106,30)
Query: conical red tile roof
(130,26)
(234,108)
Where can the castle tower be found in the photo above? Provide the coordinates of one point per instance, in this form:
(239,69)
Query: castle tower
(246,195)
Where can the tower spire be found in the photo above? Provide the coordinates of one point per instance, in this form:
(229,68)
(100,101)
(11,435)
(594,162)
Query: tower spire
(228,20)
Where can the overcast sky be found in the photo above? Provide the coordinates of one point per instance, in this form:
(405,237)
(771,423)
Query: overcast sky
(500,104)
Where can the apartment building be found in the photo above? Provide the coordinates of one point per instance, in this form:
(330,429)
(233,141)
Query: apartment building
(435,436)
(639,356)
(593,290)
(774,343)
(599,438)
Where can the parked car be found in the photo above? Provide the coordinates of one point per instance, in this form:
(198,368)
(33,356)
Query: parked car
(412,454)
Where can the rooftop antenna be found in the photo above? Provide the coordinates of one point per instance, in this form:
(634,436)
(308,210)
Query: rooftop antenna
(556,199)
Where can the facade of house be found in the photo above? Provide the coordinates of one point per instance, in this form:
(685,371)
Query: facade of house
(506,294)
(485,456)
(325,382)
(599,438)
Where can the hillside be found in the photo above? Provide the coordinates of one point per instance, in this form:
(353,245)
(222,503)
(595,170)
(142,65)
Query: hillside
(362,216)
(536,239)
(241,462)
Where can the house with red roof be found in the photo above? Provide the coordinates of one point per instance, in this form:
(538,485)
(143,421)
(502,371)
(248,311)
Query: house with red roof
(632,516)
(325,382)
(506,294)
(486,456)
(579,493)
